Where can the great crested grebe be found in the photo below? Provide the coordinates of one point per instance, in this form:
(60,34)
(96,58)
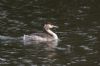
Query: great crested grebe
(49,35)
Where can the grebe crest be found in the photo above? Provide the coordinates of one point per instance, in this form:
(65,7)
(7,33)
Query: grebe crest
(48,36)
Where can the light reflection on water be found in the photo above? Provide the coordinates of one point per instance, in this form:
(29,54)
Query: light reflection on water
(74,48)
(78,33)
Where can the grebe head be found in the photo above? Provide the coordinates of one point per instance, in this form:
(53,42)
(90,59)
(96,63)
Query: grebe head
(49,26)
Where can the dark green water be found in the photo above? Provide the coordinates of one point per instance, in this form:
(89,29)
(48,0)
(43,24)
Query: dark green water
(79,27)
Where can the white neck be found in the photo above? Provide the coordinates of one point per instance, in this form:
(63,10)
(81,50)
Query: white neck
(52,33)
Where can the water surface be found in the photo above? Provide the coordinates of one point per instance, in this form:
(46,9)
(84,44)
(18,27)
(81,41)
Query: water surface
(78,31)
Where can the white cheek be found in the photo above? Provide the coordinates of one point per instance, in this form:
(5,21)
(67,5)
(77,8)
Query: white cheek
(50,26)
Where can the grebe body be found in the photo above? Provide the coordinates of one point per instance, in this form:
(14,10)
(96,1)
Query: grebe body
(49,35)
